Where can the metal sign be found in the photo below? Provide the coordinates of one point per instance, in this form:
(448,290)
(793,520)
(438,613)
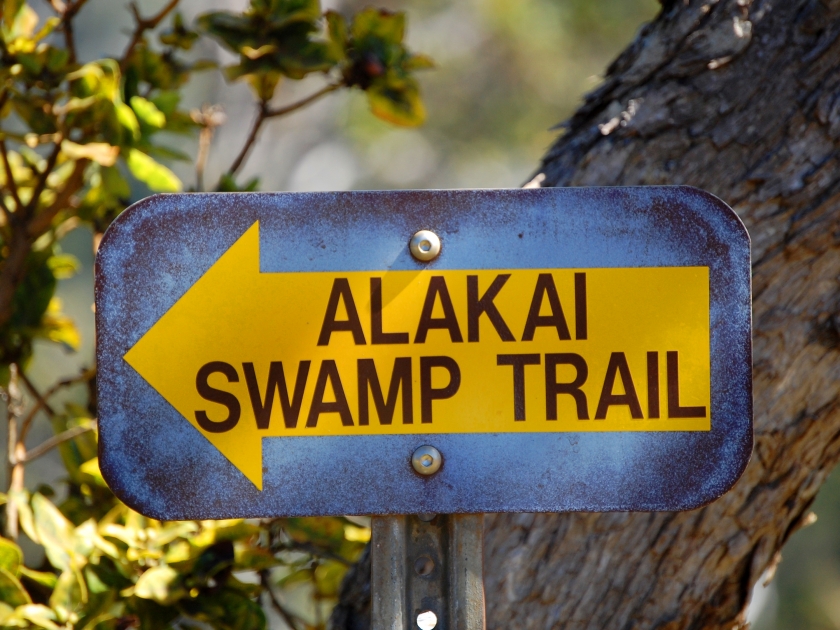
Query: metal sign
(555,350)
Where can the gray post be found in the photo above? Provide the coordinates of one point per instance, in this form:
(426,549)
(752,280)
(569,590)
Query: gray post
(427,564)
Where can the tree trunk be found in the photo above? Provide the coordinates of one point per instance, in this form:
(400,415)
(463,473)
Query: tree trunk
(741,99)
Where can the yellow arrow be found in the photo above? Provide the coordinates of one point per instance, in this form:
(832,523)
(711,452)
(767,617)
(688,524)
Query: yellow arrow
(196,330)
(251,321)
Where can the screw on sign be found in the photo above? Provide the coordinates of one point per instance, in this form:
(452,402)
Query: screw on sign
(538,350)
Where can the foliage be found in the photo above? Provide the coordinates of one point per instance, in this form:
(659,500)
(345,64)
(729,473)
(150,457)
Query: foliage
(79,141)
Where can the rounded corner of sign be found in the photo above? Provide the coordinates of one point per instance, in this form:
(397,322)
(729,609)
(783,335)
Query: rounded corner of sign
(115,228)
(736,472)
(719,204)
(114,482)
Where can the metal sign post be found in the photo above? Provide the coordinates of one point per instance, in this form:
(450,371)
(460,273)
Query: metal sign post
(427,572)
(424,352)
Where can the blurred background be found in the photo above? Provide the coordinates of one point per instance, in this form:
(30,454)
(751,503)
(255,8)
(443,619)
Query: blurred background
(506,73)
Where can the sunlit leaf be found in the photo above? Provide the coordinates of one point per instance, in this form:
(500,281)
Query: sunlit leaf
(356,534)
(59,328)
(147,112)
(156,176)
(128,119)
(66,598)
(99,152)
(38,615)
(63,266)
(398,106)
(11,590)
(161,584)
(54,531)
(25,516)
(11,556)
(419,62)
(45,579)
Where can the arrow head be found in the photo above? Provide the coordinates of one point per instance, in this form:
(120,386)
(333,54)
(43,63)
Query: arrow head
(191,334)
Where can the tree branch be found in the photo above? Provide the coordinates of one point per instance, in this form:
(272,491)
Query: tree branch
(10,180)
(288,617)
(41,223)
(47,445)
(42,179)
(41,399)
(262,110)
(265,112)
(142,25)
(67,24)
(288,109)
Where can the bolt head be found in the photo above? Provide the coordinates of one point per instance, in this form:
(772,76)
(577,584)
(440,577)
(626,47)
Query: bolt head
(424,245)
(426,460)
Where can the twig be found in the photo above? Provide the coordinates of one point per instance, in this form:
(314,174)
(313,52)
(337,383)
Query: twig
(282,111)
(288,617)
(313,550)
(10,180)
(262,109)
(14,399)
(41,223)
(67,16)
(143,25)
(42,179)
(209,117)
(47,445)
(41,399)
(5,209)
(264,112)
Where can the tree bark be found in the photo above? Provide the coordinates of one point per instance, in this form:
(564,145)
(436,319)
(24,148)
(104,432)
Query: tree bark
(741,99)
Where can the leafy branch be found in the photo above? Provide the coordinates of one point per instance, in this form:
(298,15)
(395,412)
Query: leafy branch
(79,141)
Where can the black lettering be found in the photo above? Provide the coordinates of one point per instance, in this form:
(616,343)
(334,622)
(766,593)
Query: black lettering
(437,287)
(341,290)
(653,384)
(674,409)
(329,371)
(369,379)
(276,382)
(553,388)
(518,361)
(545,287)
(429,393)
(580,306)
(618,367)
(484,305)
(376,334)
(217,396)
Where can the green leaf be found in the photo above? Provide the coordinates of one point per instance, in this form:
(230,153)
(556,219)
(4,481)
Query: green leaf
(419,62)
(91,468)
(167,102)
(337,32)
(39,615)
(147,112)
(63,266)
(58,327)
(161,584)
(12,591)
(379,23)
(11,557)
(54,531)
(400,106)
(47,580)
(128,120)
(156,176)
(99,152)
(27,520)
(67,598)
